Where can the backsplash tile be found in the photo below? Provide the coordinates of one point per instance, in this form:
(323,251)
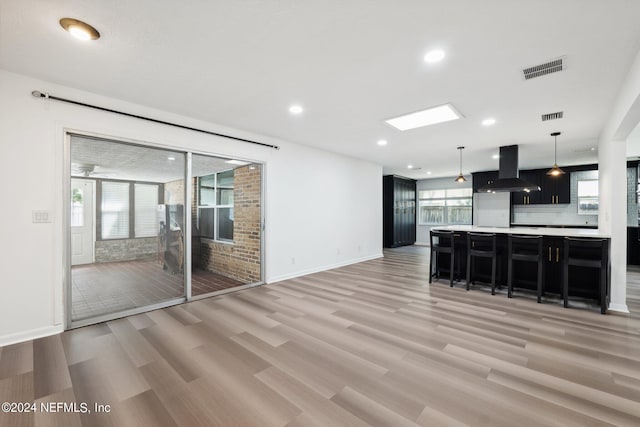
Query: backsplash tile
(567,214)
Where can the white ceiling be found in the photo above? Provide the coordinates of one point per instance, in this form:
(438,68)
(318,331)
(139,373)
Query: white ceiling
(113,160)
(351,64)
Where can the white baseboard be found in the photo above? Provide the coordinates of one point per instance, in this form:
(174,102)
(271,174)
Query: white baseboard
(621,308)
(323,268)
(31,334)
(422,244)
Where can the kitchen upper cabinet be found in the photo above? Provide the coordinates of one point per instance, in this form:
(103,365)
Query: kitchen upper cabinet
(556,189)
(398,211)
(532,197)
(480,179)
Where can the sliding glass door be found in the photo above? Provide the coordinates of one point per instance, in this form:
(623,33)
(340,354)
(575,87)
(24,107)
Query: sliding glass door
(127,227)
(138,236)
(226,224)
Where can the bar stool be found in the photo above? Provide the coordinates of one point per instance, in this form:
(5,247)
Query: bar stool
(438,247)
(592,253)
(525,248)
(482,245)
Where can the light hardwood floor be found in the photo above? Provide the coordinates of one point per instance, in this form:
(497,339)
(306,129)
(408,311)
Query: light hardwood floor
(368,344)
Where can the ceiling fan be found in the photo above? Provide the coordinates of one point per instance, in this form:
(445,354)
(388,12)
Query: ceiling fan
(87,170)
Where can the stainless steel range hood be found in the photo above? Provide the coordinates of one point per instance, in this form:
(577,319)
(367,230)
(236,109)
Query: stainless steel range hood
(508,177)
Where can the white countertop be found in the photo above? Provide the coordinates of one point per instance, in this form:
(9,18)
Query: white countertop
(538,231)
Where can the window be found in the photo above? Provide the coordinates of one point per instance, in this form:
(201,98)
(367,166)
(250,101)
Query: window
(215,206)
(450,206)
(432,211)
(115,210)
(145,211)
(77,208)
(588,197)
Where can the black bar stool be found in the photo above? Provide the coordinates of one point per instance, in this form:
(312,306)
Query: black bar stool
(525,248)
(592,253)
(482,245)
(445,245)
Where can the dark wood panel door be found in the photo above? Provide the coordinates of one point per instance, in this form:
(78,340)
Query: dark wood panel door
(399,211)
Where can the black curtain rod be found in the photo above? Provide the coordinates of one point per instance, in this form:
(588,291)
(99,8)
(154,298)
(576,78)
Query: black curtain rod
(45,95)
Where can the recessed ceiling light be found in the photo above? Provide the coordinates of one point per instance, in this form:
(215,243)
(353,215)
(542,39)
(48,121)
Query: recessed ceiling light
(296,109)
(409,166)
(80,30)
(428,172)
(237,162)
(171,158)
(382,142)
(495,156)
(489,122)
(434,56)
(430,116)
(593,148)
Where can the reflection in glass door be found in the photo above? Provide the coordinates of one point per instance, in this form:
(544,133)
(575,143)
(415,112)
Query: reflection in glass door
(127,250)
(81,215)
(225,223)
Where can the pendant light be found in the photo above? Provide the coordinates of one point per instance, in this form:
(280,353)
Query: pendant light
(460,177)
(555,170)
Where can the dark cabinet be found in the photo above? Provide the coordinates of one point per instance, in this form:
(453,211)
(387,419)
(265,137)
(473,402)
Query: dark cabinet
(583,281)
(553,248)
(633,246)
(556,189)
(532,197)
(480,179)
(398,211)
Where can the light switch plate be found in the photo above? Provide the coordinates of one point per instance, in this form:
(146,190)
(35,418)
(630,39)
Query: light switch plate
(41,217)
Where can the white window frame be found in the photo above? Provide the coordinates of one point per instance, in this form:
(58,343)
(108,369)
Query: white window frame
(136,208)
(588,197)
(446,198)
(216,207)
(131,212)
(104,211)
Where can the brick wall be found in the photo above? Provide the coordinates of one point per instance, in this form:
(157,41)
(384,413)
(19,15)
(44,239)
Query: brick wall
(174,192)
(240,260)
(126,249)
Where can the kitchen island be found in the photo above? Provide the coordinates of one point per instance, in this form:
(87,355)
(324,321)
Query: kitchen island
(535,231)
(583,282)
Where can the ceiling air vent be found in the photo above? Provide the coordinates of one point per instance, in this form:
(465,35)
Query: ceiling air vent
(552,116)
(552,66)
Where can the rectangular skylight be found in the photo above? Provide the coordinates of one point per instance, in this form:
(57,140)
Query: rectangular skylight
(430,116)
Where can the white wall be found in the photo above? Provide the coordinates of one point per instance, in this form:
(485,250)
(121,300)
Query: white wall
(322,209)
(492,209)
(422,231)
(624,117)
